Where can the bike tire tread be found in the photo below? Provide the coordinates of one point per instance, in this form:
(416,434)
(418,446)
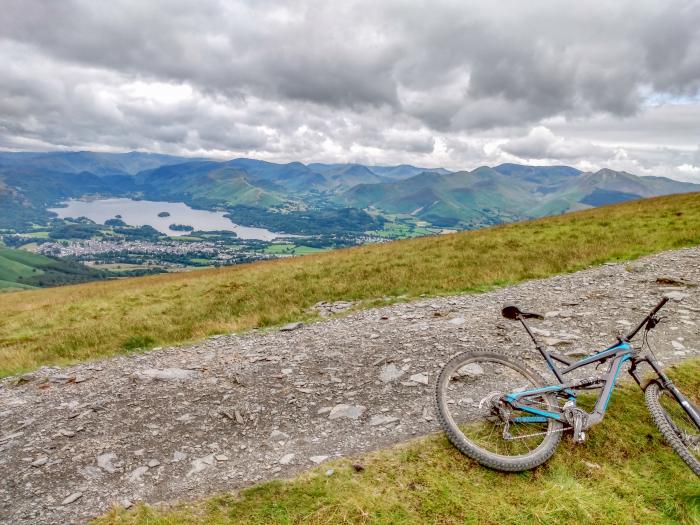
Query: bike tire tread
(527,462)
(651,395)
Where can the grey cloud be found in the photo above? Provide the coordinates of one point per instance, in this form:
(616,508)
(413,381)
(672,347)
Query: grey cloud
(537,58)
(392,81)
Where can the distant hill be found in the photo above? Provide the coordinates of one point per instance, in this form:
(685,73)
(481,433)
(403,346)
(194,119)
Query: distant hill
(403,171)
(101,164)
(23,270)
(209,184)
(31,182)
(507,192)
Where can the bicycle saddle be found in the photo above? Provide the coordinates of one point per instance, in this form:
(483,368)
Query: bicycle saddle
(510,311)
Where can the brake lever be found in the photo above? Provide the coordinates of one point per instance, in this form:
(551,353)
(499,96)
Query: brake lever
(652,322)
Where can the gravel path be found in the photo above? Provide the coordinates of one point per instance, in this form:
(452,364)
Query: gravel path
(179,423)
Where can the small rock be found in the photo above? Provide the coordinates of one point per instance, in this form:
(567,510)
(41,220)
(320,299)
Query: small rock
(153,463)
(592,465)
(127,504)
(471,370)
(291,326)
(168,374)
(419,378)
(199,464)
(390,372)
(330,472)
(553,341)
(179,456)
(457,321)
(346,411)
(221,457)
(671,281)
(318,459)
(73,497)
(277,435)
(66,433)
(382,420)
(106,462)
(286,459)
(43,460)
(90,472)
(136,474)
(676,296)
(61,378)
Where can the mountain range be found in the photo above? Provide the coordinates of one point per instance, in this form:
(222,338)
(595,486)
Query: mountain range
(32,182)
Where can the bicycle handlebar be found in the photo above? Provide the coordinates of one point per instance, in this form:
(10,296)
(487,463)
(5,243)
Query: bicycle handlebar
(646,319)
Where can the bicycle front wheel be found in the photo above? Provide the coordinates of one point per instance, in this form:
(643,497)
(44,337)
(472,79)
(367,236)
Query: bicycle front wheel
(469,394)
(675,424)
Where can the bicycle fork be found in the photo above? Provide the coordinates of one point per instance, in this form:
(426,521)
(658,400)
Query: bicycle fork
(667,384)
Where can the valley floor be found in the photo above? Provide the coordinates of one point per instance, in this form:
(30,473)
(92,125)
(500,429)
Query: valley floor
(180,423)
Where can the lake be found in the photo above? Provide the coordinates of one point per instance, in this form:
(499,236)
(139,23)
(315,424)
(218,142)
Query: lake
(141,213)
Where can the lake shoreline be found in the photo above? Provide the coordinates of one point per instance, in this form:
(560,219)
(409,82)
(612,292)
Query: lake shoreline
(141,212)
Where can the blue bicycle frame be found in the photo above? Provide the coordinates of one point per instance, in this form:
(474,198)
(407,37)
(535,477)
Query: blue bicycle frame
(619,353)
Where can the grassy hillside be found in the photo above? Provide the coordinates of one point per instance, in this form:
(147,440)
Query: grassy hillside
(98,319)
(623,474)
(20,269)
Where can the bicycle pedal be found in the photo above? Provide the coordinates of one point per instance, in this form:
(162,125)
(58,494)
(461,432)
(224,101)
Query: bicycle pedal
(580,438)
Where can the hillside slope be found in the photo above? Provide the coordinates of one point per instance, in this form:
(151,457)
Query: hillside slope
(194,420)
(21,269)
(79,322)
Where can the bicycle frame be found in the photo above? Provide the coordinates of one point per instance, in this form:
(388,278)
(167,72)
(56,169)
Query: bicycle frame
(619,353)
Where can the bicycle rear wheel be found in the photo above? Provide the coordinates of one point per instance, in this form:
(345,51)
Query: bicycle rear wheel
(468,395)
(675,425)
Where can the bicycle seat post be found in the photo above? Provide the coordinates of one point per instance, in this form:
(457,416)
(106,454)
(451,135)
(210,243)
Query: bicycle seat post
(529,332)
(541,349)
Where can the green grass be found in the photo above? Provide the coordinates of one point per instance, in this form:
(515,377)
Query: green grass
(75,323)
(16,264)
(623,474)
(9,286)
(291,249)
(402,229)
(37,235)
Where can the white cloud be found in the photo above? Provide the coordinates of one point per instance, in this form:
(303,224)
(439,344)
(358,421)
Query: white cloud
(457,84)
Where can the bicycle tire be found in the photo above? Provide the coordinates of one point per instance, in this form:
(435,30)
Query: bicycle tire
(488,459)
(666,426)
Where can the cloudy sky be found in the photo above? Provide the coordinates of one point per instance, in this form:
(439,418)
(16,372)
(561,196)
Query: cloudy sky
(436,83)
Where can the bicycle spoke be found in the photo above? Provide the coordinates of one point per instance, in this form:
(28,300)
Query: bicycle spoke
(472,400)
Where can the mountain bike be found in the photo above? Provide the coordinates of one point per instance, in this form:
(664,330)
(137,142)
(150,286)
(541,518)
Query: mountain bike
(503,414)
